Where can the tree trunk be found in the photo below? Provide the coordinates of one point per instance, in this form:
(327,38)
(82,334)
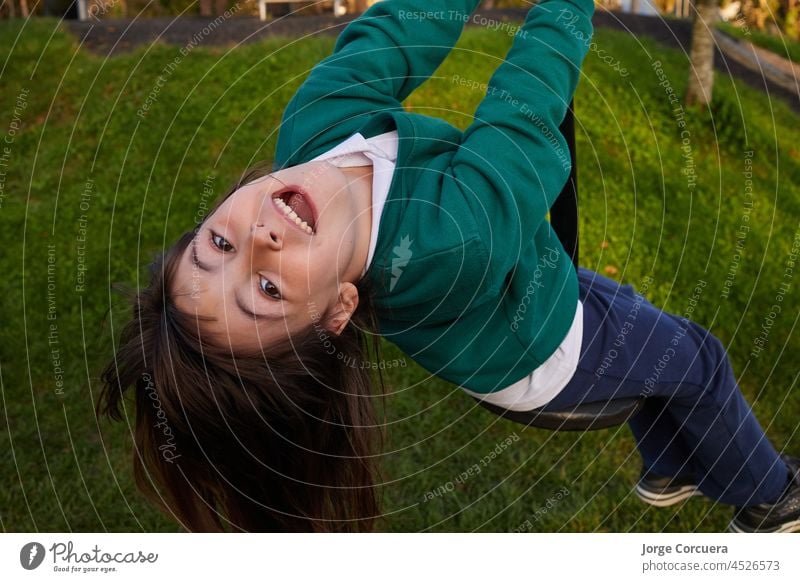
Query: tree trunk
(23,8)
(206,8)
(701,74)
(763,13)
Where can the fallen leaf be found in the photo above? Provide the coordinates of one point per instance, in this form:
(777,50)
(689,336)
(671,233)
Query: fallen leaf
(611,270)
(604,244)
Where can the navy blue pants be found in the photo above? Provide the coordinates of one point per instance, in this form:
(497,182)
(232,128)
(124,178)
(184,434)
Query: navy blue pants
(695,420)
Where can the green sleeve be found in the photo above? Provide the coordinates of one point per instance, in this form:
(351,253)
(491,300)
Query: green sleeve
(513,161)
(378,60)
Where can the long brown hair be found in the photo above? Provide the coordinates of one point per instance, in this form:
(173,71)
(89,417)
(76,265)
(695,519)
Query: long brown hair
(223,441)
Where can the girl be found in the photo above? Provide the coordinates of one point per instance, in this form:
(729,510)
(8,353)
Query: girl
(247,353)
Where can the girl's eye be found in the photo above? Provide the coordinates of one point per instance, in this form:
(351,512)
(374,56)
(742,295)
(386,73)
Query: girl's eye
(214,237)
(270,289)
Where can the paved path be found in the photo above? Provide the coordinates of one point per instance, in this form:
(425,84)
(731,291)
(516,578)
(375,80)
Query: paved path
(778,70)
(756,67)
(740,60)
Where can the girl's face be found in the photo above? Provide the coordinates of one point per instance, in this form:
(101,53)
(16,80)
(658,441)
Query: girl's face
(263,276)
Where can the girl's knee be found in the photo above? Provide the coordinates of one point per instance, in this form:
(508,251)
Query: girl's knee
(716,364)
(713,346)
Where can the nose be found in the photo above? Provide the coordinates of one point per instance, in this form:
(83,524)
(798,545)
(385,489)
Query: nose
(266,236)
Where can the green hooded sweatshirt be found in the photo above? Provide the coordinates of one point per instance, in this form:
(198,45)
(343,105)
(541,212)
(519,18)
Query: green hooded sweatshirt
(470,279)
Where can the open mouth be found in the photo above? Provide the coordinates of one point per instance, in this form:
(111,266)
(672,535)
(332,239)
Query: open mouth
(297,207)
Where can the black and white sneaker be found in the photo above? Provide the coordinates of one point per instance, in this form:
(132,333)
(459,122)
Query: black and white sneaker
(783,516)
(665,491)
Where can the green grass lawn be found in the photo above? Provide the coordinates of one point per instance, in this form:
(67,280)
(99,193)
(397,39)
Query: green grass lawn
(783,46)
(81,149)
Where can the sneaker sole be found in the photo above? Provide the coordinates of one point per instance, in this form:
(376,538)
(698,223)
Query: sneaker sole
(667,499)
(788,527)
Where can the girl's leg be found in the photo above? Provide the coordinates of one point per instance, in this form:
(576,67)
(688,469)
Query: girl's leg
(667,456)
(660,442)
(696,421)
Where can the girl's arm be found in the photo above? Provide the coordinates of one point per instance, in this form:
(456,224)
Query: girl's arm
(513,161)
(378,60)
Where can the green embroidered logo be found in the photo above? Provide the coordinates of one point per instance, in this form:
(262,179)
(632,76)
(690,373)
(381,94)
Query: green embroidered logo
(402,256)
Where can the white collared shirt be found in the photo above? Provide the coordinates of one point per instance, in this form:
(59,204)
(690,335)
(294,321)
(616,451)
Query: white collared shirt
(381,152)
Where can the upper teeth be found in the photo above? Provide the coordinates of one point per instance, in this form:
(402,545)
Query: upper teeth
(286,209)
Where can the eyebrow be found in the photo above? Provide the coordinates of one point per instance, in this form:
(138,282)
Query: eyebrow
(257,316)
(196,260)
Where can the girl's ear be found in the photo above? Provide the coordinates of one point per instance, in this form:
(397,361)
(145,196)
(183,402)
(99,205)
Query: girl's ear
(343,309)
